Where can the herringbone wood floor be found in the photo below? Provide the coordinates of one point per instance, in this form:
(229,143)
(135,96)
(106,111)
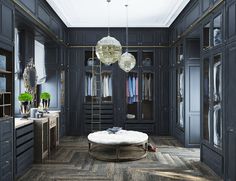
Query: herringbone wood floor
(72,162)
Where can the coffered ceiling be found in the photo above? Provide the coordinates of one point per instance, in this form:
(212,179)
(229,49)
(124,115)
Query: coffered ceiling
(94,13)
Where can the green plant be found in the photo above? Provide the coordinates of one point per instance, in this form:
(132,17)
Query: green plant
(45,95)
(25,97)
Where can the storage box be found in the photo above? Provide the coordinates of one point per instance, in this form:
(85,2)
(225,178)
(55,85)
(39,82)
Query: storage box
(2,84)
(3,62)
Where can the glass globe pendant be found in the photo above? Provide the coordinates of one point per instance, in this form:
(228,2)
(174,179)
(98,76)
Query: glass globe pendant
(127,62)
(108,50)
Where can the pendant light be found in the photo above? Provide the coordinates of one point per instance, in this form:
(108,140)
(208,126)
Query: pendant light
(127,61)
(108,49)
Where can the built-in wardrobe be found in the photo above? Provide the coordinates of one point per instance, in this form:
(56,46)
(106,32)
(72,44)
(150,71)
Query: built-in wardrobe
(136,100)
(216,20)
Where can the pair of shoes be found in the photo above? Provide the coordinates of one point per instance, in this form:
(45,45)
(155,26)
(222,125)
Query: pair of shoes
(152,148)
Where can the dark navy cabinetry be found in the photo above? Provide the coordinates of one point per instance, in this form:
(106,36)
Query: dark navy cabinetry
(24,148)
(6,149)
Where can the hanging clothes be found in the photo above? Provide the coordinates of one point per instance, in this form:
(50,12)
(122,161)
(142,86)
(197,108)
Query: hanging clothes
(132,89)
(217,119)
(106,85)
(147,86)
(217,81)
(90,85)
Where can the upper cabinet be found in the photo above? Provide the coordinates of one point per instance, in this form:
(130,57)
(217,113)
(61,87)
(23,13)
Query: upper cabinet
(6,18)
(40,10)
(212,32)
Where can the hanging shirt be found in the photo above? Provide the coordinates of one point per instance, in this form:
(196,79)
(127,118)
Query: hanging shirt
(110,86)
(143,87)
(217,119)
(130,87)
(136,80)
(86,86)
(217,81)
(89,85)
(134,89)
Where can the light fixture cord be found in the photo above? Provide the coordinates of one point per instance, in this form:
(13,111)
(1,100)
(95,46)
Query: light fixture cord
(108,14)
(127,33)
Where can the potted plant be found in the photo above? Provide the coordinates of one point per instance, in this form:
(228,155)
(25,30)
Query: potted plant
(45,100)
(25,103)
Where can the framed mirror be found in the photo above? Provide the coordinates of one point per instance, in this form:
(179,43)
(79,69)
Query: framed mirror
(30,77)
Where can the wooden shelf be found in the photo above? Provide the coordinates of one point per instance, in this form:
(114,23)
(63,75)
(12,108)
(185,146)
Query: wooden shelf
(2,71)
(5,92)
(5,105)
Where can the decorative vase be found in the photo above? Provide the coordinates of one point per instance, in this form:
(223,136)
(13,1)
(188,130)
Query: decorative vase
(46,104)
(25,108)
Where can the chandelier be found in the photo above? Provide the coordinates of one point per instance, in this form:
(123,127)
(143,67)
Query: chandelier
(108,49)
(127,61)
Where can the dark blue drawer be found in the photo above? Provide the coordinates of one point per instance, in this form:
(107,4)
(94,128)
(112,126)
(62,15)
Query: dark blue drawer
(24,130)
(24,147)
(24,138)
(24,161)
(6,129)
(6,147)
(6,166)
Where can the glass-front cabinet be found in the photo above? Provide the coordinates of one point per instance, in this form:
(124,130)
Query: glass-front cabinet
(212,100)
(140,88)
(212,34)
(180,86)
(98,79)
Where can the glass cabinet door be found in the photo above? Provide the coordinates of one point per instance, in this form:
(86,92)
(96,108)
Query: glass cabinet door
(206,36)
(206,99)
(147,59)
(217,98)
(180,97)
(147,96)
(217,30)
(132,95)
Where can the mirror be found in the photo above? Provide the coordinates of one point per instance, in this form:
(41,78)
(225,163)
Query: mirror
(30,77)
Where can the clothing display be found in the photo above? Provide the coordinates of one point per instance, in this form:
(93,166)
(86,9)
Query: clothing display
(181,84)
(181,114)
(217,81)
(90,85)
(132,89)
(147,86)
(217,119)
(217,36)
(106,85)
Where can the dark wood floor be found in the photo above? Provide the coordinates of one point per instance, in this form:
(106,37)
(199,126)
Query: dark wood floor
(72,162)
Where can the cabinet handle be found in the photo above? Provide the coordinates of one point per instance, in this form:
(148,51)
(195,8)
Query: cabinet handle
(6,162)
(6,141)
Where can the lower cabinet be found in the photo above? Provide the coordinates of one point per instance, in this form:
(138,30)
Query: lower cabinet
(24,148)
(6,149)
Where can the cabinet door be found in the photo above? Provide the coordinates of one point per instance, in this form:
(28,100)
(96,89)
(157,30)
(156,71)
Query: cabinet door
(206,99)
(7,21)
(230,144)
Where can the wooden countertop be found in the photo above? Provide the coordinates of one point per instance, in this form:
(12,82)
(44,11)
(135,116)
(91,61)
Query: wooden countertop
(19,122)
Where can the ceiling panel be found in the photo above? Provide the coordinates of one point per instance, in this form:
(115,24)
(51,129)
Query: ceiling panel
(94,13)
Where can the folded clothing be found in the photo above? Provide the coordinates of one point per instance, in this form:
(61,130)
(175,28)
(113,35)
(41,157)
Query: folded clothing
(113,130)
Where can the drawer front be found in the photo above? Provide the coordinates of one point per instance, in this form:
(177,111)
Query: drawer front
(24,130)
(24,138)
(6,147)
(6,166)
(24,161)
(24,147)
(6,129)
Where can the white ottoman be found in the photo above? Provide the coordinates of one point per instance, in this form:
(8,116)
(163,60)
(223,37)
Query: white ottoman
(122,141)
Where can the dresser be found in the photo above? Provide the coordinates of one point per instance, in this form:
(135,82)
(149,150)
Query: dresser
(6,149)
(24,145)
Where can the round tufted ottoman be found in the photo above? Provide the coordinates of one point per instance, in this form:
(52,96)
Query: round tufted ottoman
(122,146)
